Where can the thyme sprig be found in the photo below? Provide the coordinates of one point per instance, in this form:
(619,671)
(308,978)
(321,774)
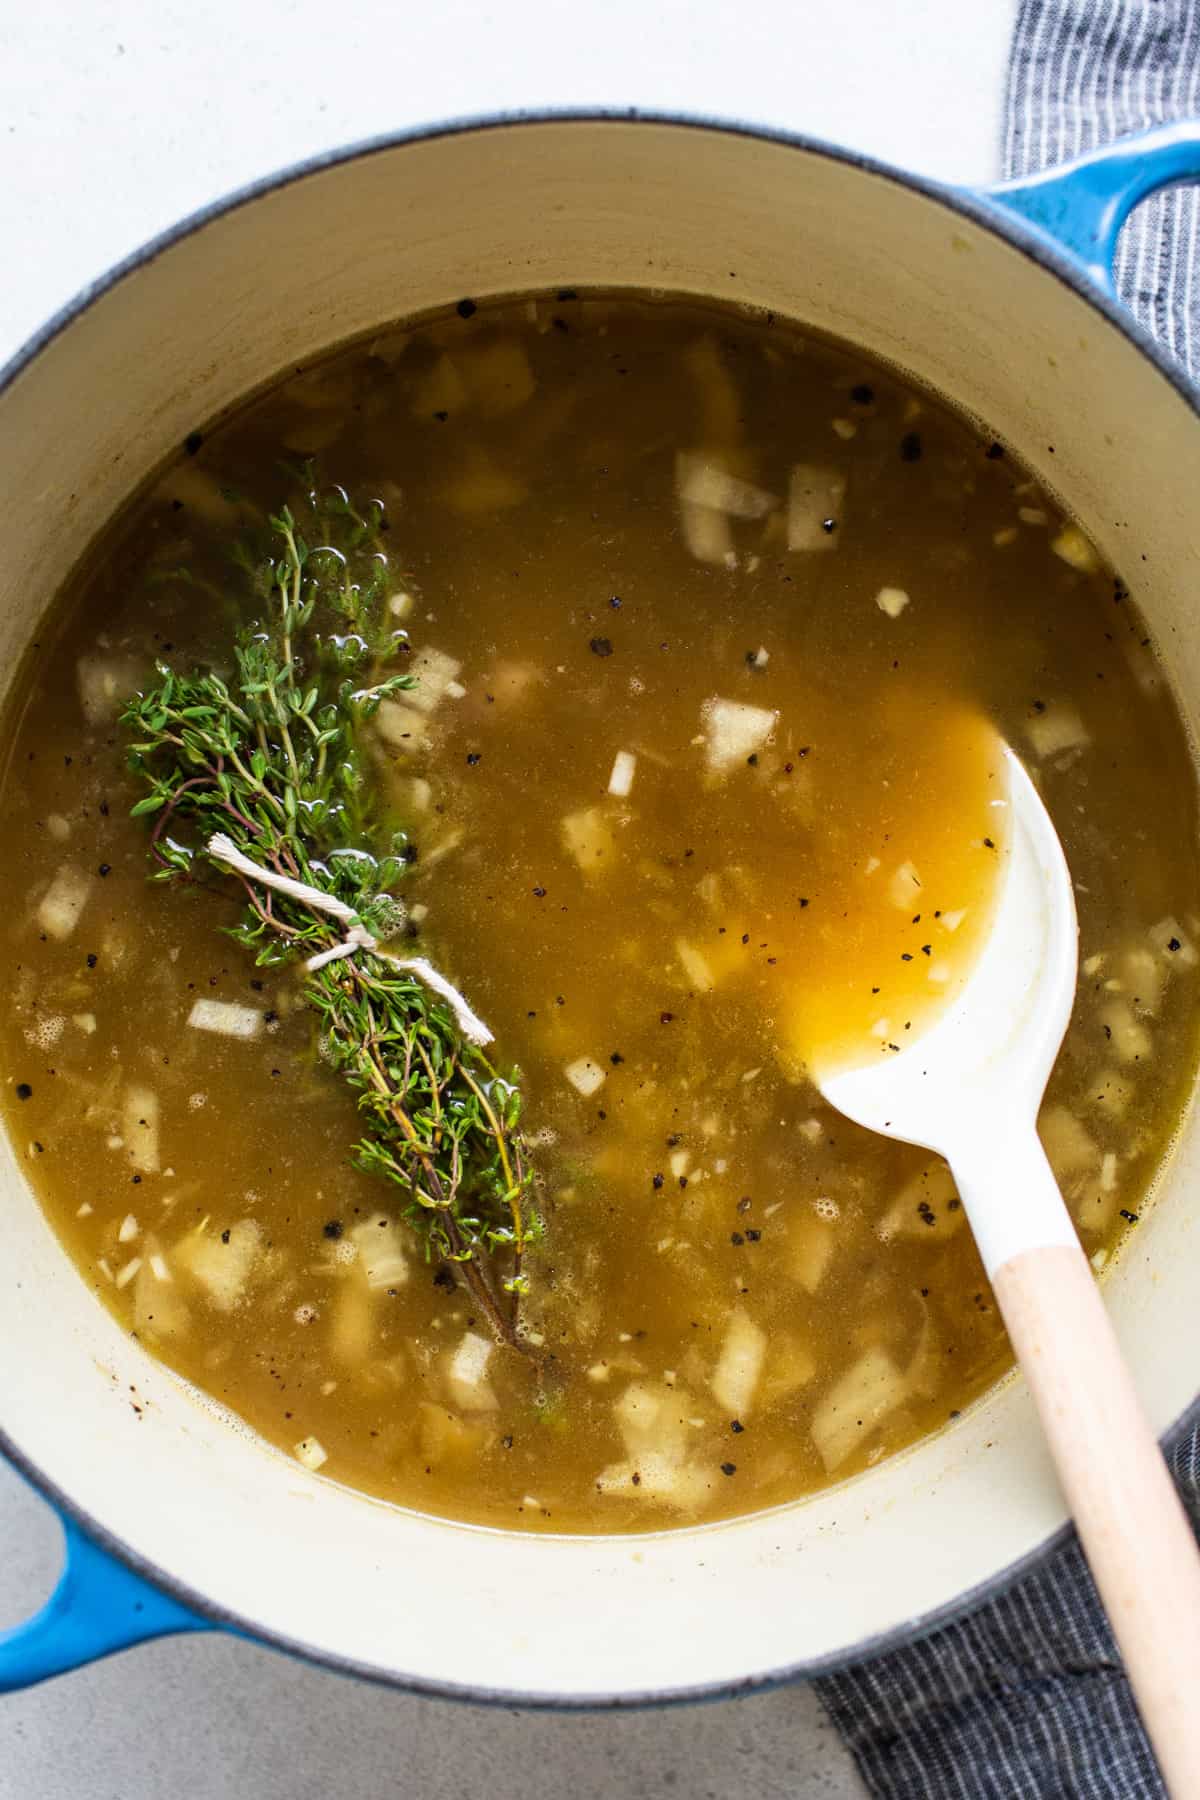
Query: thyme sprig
(273,754)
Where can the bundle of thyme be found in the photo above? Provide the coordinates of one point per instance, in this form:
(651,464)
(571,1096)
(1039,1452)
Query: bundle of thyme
(274,758)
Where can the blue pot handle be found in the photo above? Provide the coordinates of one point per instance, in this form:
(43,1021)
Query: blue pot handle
(1082,205)
(99,1606)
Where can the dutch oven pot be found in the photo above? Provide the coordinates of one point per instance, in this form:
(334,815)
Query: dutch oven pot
(177,1518)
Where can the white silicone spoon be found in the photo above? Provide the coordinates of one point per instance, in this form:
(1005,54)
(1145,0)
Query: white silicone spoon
(970,1088)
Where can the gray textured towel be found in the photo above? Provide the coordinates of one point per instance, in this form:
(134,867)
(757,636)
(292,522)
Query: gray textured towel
(1026,1699)
(1083,72)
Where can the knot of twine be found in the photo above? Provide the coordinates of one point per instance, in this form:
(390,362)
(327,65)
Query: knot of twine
(222,849)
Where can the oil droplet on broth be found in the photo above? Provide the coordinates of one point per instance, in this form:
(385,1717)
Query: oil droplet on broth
(909,873)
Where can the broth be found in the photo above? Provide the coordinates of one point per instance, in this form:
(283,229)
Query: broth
(714,624)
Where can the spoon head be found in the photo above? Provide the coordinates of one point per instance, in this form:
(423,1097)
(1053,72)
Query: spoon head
(984,1062)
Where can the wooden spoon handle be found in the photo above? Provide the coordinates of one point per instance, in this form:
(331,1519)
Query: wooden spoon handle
(1134,1531)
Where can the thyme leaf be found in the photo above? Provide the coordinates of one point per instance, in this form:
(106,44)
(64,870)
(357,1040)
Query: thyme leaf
(274,756)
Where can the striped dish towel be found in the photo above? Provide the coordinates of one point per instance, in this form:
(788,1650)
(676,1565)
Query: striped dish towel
(1026,1698)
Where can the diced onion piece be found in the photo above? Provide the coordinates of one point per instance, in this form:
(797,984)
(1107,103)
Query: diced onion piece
(1067,1141)
(434,671)
(128,1229)
(892,601)
(201,494)
(792,1367)
(739,1365)
(812,1246)
(1143,975)
(651,1476)
(312,1453)
(720,401)
(158,1308)
(695,966)
(380,1252)
(707,534)
(58,827)
(701,481)
(105,683)
(480,486)
(1076,549)
(1129,1038)
(922,1209)
(904,887)
(510,684)
(733,731)
(1109,1093)
(441,389)
(588,837)
(139,1128)
(651,1420)
(1173,942)
(585,1076)
(1108,1171)
(63,902)
(815,496)
(1058,728)
(950,921)
(126,1274)
(466,1374)
(497,375)
(624,768)
(226,1018)
(85,1022)
(222,1264)
(1143,665)
(399,725)
(855,1405)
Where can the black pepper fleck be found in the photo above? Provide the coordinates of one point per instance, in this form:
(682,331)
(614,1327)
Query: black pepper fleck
(601,646)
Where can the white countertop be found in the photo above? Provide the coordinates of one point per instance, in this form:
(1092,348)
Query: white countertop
(117,118)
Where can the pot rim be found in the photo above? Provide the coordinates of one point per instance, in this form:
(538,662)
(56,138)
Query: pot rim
(991,215)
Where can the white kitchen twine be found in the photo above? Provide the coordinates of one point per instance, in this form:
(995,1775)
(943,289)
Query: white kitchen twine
(223,849)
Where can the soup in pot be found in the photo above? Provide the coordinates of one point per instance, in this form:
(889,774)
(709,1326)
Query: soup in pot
(597,703)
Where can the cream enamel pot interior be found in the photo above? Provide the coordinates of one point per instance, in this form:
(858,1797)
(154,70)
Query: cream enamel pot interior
(967,296)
